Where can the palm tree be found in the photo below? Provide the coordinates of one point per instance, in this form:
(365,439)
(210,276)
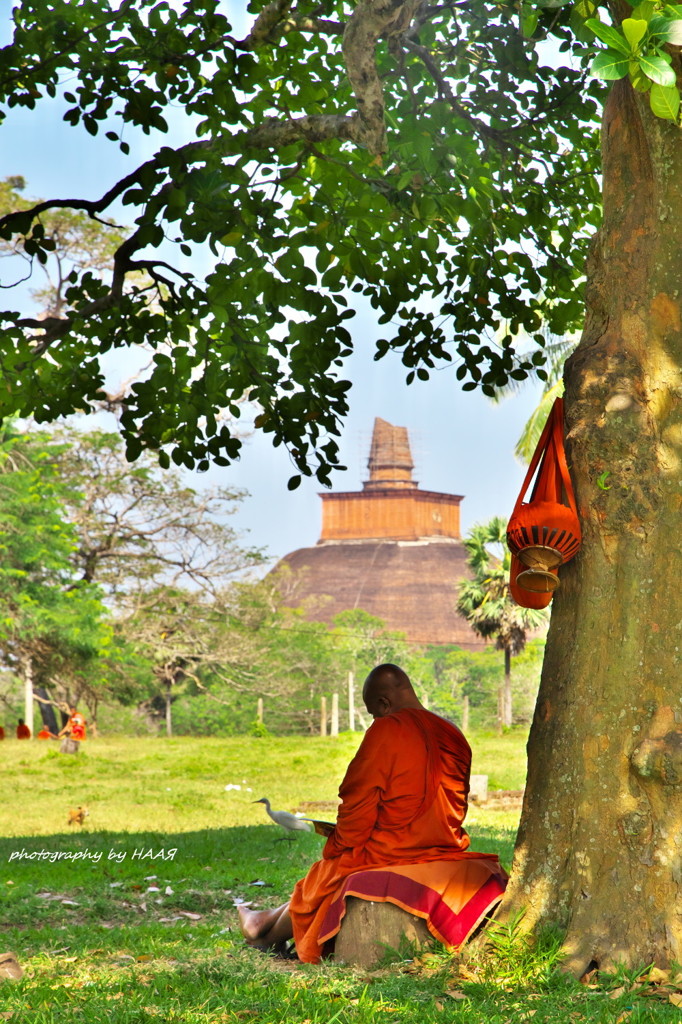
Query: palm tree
(557,351)
(487,605)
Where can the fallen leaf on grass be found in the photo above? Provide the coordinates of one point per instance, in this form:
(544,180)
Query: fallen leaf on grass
(7,1014)
(616,993)
(624,1016)
(143,958)
(457,995)
(190,915)
(467,975)
(675,998)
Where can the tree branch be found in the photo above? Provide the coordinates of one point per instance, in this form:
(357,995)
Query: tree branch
(371,20)
(277,19)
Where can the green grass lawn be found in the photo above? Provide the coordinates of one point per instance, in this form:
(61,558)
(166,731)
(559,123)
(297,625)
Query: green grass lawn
(121,930)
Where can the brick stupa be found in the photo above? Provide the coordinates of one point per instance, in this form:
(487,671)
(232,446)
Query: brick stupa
(391,549)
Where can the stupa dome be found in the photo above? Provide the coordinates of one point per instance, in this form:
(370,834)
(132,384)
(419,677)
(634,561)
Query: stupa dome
(391,549)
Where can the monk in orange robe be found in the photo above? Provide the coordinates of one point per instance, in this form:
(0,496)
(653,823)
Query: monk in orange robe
(23,731)
(403,801)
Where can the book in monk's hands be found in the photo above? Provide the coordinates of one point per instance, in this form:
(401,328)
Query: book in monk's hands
(323,828)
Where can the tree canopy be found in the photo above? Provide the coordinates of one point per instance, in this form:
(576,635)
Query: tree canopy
(425,157)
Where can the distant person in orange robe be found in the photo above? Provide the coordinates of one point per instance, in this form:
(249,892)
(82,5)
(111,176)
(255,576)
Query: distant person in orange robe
(403,801)
(45,734)
(23,731)
(74,729)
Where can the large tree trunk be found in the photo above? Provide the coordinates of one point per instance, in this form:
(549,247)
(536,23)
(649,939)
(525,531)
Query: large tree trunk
(600,843)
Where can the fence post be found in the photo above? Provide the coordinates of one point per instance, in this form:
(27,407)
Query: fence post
(465,713)
(323,716)
(351,701)
(28,694)
(335,715)
(259,712)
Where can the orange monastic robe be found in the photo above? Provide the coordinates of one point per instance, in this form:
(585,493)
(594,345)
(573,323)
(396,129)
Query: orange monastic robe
(403,801)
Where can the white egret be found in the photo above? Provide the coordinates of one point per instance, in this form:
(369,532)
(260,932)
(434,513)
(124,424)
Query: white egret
(287,821)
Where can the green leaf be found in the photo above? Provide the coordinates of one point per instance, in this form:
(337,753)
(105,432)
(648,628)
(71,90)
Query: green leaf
(611,36)
(638,81)
(645,10)
(667,29)
(665,101)
(293,482)
(580,12)
(529,20)
(657,69)
(609,66)
(634,30)
(674,10)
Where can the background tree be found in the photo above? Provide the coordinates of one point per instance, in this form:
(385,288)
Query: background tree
(72,242)
(485,602)
(438,151)
(53,625)
(139,527)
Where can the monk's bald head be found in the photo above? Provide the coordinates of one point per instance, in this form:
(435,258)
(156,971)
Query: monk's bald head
(387,688)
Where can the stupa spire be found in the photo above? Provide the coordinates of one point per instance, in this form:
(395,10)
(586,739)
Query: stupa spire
(390,459)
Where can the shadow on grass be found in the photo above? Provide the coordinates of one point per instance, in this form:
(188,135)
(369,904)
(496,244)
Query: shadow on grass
(151,938)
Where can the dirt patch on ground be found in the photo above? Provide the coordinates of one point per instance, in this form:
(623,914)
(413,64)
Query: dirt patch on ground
(503,800)
(309,806)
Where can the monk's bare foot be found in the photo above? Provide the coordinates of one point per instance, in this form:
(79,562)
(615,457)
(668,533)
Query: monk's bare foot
(254,923)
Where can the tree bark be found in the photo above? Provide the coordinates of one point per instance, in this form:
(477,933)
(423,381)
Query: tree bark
(599,849)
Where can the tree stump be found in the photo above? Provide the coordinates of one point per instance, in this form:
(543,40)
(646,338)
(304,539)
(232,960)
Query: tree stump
(69,746)
(369,928)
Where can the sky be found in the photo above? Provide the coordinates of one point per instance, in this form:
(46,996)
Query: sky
(462,443)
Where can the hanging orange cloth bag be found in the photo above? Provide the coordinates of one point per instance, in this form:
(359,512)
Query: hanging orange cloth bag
(544,532)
